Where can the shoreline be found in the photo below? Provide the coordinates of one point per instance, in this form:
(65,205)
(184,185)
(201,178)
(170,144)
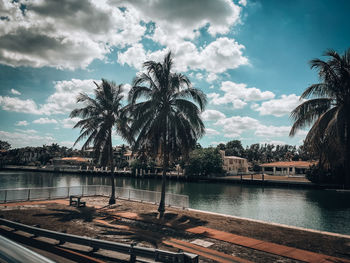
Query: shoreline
(221,179)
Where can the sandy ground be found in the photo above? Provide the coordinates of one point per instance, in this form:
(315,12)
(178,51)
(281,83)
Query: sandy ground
(149,231)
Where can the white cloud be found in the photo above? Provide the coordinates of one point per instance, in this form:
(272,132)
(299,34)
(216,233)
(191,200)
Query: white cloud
(210,131)
(30,131)
(211,77)
(199,76)
(212,115)
(272,131)
(62,101)
(243,2)
(238,94)
(64,34)
(217,57)
(234,126)
(278,107)
(44,121)
(24,138)
(15,92)
(21,123)
(69,123)
(18,105)
(173,21)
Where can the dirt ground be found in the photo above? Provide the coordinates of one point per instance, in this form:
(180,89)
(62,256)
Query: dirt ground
(98,221)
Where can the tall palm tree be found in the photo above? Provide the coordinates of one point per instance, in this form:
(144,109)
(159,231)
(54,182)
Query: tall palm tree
(328,109)
(166,118)
(98,117)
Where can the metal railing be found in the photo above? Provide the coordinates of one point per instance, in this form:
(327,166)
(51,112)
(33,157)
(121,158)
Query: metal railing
(47,193)
(133,251)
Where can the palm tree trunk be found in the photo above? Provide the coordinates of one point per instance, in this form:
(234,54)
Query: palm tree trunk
(111,162)
(161,208)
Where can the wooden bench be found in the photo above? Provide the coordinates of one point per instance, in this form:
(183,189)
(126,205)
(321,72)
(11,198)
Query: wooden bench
(74,200)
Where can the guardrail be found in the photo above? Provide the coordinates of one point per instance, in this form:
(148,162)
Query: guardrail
(47,193)
(12,252)
(133,251)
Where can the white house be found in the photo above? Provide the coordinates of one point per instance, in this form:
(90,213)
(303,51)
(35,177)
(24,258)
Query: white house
(234,164)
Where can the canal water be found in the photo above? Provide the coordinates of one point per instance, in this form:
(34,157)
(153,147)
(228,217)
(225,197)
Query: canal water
(325,210)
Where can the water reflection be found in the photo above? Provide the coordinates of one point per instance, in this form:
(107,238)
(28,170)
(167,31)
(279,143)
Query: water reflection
(322,210)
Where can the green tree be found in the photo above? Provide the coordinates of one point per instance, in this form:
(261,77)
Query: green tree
(4,145)
(203,162)
(234,148)
(327,109)
(166,118)
(98,117)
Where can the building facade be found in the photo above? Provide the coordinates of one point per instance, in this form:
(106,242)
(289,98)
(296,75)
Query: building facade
(286,168)
(234,164)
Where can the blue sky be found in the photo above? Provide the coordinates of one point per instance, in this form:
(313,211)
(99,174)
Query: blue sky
(249,57)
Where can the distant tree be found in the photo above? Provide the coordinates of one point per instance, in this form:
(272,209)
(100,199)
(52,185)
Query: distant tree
(203,162)
(198,146)
(4,145)
(221,146)
(234,148)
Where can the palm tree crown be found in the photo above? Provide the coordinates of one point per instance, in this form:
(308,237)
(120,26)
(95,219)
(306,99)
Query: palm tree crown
(328,106)
(166,118)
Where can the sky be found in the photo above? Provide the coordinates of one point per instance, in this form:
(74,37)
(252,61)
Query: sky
(250,57)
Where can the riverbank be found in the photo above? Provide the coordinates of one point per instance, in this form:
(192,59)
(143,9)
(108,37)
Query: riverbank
(137,222)
(251,179)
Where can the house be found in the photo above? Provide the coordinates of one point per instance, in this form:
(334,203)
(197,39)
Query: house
(286,168)
(234,164)
(130,157)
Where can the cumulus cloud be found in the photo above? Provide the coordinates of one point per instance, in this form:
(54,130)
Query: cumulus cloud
(173,21)
(69,123)
(212,115)
(238,94)
(210,131)
(19,105)
(44,121)
(64,34)
(278,107)
(62,101)
(21,123)
(22,138)
(15,92)
(217,57)
(272,131)
(234,126)
(27,131)
(70,35)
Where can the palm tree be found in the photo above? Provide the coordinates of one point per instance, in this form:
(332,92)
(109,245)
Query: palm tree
(98,117)
(166,118)
(328,110)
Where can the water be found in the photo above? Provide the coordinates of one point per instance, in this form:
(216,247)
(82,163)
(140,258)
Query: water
(309,208)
